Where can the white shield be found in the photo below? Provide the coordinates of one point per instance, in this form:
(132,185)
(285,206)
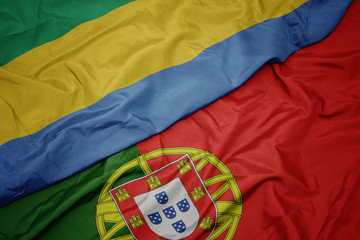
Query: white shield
(169,210)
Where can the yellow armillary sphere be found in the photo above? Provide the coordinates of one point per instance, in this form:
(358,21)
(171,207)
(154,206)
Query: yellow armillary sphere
(229,212)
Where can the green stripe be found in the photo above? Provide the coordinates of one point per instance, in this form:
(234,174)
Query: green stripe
(26,24)
(67,209)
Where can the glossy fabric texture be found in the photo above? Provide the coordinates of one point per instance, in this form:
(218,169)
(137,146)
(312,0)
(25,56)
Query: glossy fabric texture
(131,114)
(29,24)
(70,204)
(115,51)
(290,136)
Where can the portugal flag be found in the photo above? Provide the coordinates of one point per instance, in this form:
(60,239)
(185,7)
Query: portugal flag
(277,158)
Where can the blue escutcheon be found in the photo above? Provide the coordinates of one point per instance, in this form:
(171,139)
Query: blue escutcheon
(162,197)
(170,212)
(179,226)
(155,218)
(183,205)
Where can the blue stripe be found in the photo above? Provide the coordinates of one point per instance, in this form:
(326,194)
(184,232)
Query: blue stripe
(129,115)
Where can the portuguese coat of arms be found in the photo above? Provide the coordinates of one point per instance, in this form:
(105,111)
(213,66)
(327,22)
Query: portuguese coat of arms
(170,203)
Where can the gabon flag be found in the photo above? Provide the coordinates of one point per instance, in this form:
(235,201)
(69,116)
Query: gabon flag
(277,158)
(76,95)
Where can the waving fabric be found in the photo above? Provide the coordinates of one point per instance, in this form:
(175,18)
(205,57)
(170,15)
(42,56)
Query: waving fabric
(278,157)
(114,81)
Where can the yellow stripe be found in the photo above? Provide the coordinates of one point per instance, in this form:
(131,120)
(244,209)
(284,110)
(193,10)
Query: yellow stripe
(201,164)
(218,178)
(229,208)
(220,191)
(105,207)
(100,227)
(117,50)
(218,231)
(113,217)
(235,190)
(232,229)
(226,210)
(171,151)
(144,165)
